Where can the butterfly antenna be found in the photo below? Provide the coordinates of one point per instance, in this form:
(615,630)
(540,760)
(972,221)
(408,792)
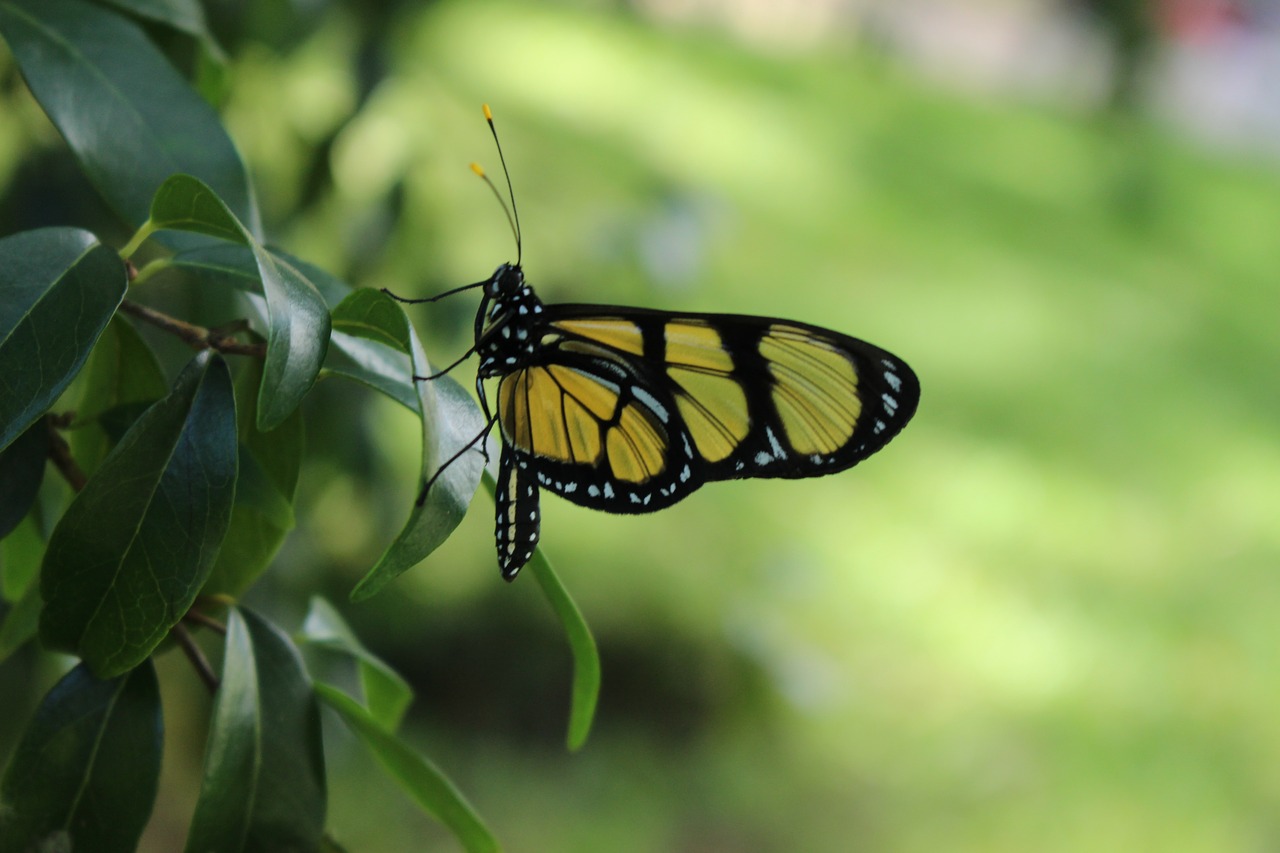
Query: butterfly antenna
(513,215)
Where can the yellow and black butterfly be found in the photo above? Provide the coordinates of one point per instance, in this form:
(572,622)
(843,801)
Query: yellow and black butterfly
(629,410)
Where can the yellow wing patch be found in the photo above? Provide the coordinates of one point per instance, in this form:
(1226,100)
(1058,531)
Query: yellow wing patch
(694,344)
(637,446)
(715,409)
(564,414)
(815,389)
(622,335)
(711,402)
(555,412)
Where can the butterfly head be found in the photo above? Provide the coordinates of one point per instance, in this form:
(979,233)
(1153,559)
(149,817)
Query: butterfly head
(508,323)
(506,283)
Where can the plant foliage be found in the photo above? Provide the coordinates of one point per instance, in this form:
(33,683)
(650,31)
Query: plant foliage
(181,492)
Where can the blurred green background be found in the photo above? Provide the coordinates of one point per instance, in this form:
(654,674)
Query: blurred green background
(1044,618)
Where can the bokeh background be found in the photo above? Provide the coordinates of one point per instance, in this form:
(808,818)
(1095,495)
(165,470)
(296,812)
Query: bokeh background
(1044,618)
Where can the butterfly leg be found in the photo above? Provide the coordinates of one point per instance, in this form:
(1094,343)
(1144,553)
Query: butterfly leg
(426,487)
(518,516)
(439,373)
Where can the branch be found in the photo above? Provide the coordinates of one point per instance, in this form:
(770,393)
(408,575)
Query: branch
(209,622)
(60,451)
(198,337)
(197,658)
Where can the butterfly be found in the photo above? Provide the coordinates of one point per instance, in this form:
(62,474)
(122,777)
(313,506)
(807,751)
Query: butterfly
(630,410)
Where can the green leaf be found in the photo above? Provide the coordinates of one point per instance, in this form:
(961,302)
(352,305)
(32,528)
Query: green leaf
(130,553)
(235,265)
(122,371)
(185,203)
(419,778)
(298,319)
(386,694)
(20,555)
(450,419)
(59,289)
(586,657)
(263,511)
(370,363)
(371,344)
(85,774)
(371,314)
(20,623)
(184,15)
(21,470)
(264,786)
(365,359)
(129,117)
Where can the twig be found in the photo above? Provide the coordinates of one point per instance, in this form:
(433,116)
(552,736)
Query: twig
(198,618)
(60,451)
(197,658)
(198,337)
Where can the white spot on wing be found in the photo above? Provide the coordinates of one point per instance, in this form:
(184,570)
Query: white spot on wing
(648,399)
(894,382)
(774,444)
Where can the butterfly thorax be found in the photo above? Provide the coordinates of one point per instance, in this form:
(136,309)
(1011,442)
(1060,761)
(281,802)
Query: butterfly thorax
(509,323)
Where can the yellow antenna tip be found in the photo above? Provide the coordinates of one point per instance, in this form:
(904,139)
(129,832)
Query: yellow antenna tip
(488,116)
(475,167)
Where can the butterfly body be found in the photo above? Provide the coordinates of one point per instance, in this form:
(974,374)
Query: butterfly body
(630,410)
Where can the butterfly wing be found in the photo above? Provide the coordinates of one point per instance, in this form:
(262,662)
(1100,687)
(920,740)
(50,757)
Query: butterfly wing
(629,410)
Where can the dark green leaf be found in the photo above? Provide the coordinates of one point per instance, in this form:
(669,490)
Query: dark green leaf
(372,314)
(332,288)
(235,266)
(59,289)
(84,776)
(298,319)
(21,622)
(184,15)
(386,694)
(296,341)
(373,364)
(121,371)
(21,470)
(232,265)
(264,787)
(129,117)
(419,778)
(371,343)
(184,203)
(20,555)
(130,553)
(263,512)
(450,419)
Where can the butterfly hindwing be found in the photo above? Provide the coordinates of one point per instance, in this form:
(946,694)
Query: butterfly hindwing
(597,430)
